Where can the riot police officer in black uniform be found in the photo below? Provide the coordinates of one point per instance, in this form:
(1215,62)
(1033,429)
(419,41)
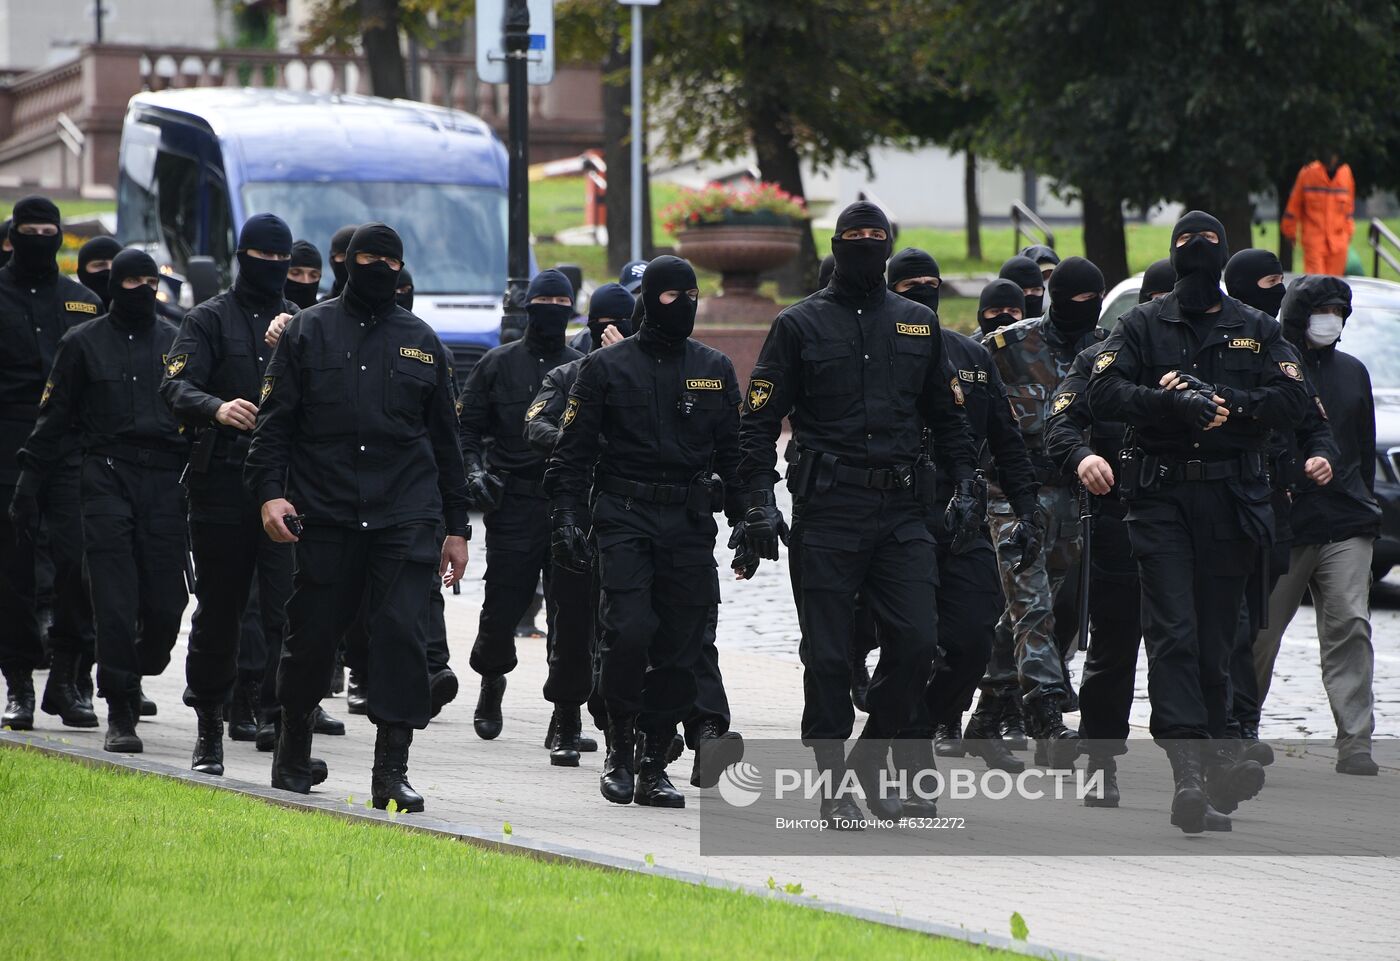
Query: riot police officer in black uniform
(356,431)
(212,384)
(37,306)
(969,587)
(505,481)
(105,389)
(862,372)
(1202,379)
(666,408)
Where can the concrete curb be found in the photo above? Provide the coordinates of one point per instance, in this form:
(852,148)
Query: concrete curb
(511,844)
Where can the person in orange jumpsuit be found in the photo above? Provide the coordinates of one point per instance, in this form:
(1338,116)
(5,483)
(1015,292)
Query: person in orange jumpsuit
(1323,198)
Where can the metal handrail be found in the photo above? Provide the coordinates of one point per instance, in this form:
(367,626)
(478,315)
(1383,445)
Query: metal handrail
(1376,235)
(1019,212)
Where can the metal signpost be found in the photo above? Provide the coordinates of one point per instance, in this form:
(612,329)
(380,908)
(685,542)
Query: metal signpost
(636,5)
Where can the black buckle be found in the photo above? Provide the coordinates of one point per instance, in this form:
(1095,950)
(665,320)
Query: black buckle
(1193,470)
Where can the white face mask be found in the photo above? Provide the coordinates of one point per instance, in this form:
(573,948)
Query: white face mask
(1324,329)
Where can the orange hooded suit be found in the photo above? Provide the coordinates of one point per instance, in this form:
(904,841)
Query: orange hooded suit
(1323,204)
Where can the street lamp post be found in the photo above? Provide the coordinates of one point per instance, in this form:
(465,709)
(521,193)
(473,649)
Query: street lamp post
(516,29)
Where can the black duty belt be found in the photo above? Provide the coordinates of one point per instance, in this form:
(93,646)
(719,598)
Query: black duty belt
(523,486)
(1201,470)
(875,478)
(652,493)
(144,456)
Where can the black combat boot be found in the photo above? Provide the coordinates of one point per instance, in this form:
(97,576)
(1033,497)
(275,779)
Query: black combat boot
(1253,749)
(145,706)
(1012,723)
(19,701)
(291,758)
(442,690)
(839,810)
(121,725)
(564,727)
(868,760)
(653,787)
(947,739)
(586,744)
(323,723)
(983,738)
(82,681)
(1229,780)
(1069,703)
(243,709)
(860,679)
(1189,799)
(61,696)
(355,702)
(1059,744)
(618,782)
(1217,822)
(487,719)
(209,741)
(715,750)
(912,756)
(266,738)
(389,779)
(1108,796)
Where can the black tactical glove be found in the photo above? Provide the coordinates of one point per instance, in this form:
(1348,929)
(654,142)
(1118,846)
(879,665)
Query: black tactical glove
(1194,408)
(484,490)
(745,561)
(967,510)
(24,517)
(764,526)
(1027,539)
(568,544)
(1193,382)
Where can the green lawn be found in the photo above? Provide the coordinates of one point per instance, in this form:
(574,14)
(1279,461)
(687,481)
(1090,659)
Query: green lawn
(125,866)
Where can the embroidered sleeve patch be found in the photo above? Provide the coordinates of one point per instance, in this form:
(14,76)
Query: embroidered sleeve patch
(1290,369)
(413,353)
(534,410)
(80,307)
(957,390)
(981,377)
(968,375)
(913,330)
(704,383)
(759,392)
(1244,343)
(570,412)
(175,364)
(1104,361)
(48,392)
(266,391)
(1061,403)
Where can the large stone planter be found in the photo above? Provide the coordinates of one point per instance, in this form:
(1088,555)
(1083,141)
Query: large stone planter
(739,253)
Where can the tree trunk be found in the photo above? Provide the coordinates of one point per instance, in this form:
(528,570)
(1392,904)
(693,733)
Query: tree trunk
(380,38)
(973,209)
(780,163)
(1104,241)
(1283,186)
(1233,210)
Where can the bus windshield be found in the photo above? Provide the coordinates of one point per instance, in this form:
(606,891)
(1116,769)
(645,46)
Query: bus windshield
(454,236)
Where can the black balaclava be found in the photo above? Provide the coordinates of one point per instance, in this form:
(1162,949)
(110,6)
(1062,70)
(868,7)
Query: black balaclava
(860,264)
(35,258)
(373,284)
(1305,295)
(545,330)
(1023,271)
(665,327)
(1242,275)
(610,304)
(404,298)
(1001,293)
(1198,262)
(340,242)
(304,254)
(1042,255)
(135,307)
(5,234)
(98,248)
(263,281)
(824,272)
(1160,278)
(1075,275)
(912,262)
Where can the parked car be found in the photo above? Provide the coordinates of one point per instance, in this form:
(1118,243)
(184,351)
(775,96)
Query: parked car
(195,164)
(1372,335)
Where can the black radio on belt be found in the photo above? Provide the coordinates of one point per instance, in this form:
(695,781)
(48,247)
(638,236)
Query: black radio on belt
(705,496)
